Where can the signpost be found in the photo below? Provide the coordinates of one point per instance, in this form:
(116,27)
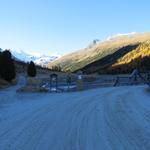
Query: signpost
(53,82)
(79,81)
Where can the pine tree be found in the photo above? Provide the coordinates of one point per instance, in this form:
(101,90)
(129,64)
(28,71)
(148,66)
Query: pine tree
(31,69)
(7,66)
(0,63)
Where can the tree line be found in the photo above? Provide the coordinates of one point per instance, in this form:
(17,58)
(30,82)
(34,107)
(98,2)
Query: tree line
(8,68)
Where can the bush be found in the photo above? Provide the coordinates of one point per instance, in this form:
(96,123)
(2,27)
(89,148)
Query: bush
(7,67)
(0,63)
(56,68)
(31,69)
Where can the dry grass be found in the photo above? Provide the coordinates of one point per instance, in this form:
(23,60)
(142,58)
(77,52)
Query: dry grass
(4,84)
(32,89)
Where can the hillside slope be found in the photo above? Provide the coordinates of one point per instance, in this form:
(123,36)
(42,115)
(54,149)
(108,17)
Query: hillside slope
(119,44)
(125,60)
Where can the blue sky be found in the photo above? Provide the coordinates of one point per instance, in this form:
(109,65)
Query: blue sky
(63,26)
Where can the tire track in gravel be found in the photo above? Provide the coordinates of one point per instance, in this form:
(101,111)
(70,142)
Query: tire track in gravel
(24,122)
(124,126)
(103,120)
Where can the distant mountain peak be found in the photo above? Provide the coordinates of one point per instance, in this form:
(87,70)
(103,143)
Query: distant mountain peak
(37,58)
(93,43)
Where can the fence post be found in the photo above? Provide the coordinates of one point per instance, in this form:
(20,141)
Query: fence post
(148,76)
(79,83)
(68,80)
(116,81)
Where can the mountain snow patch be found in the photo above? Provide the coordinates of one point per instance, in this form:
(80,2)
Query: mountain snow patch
(36,57)
(121,35)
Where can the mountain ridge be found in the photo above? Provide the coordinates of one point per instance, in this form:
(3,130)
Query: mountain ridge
(81,58)
(37,58)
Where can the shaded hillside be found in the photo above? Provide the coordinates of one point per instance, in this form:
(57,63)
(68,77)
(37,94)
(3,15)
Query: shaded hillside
(109,60)
(143,50)
(82,58)
(141,63)
(123,61)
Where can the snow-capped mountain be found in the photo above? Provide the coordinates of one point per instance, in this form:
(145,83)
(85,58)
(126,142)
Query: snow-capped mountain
(119,35)
(37,58)
(44,60)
